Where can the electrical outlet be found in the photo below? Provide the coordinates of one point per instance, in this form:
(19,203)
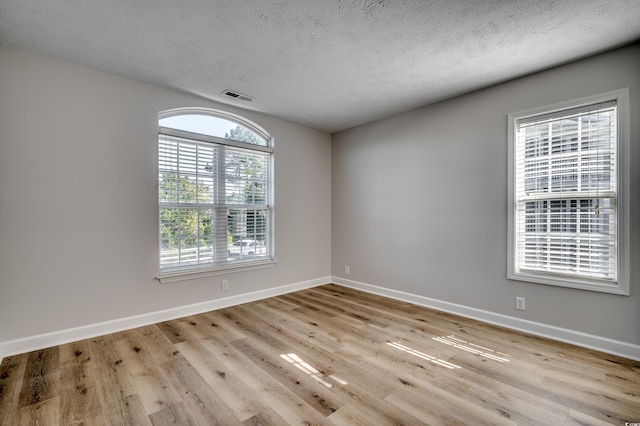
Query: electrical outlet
(224,285)
(346,270)
(520,303)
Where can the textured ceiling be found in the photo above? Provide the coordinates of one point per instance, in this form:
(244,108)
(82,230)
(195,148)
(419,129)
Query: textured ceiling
(327,64)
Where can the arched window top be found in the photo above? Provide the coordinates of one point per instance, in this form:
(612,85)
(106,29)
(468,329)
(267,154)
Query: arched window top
(215,123)
(215,193)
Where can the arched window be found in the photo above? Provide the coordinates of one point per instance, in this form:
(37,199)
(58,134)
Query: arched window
(214,192)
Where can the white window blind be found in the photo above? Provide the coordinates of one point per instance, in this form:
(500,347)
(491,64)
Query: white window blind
(566,195)
(215,201)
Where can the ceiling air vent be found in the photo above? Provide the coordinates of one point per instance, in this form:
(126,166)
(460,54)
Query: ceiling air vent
(237,95)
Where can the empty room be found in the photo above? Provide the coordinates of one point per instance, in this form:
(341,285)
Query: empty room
(367,212)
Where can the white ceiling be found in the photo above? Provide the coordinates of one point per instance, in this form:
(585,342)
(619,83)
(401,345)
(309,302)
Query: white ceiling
(327,64)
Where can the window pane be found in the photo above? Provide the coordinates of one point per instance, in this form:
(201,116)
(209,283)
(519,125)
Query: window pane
(186,235)
(568,236)
(246,177)
(186,171)
(568,155)
(248,229)
(214,126)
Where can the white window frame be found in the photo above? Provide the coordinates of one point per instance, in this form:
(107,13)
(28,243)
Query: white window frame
(198,270)
(621,198)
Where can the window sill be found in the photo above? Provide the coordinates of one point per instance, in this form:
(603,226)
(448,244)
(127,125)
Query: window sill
(191,274)
(601,286)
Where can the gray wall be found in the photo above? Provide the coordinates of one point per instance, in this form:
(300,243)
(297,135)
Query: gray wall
(414,202)
(78,199)
(419,201)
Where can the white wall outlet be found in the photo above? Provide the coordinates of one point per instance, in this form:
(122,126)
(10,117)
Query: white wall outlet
(224,285)
(346,270)
(520,303)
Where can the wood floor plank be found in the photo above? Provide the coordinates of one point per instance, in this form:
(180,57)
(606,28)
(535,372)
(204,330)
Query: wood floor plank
(442,409)
(41,377)
(11,376)
(328,355)
(264,419)
(113,382)
(221,327)
(153,389)
(592,399)
(577,418)
(157,347)
(516,405)
(79,397)
(202,402)
(43,412)
(173,414)
(139,416)
(171,331)
(238,397)
(279,398)
(353,414)
(307,389)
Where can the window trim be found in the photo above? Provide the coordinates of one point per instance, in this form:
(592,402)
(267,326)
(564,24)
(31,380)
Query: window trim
(188,272)
(176,275)
(621,285)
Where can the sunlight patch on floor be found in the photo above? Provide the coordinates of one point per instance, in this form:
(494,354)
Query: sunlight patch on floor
(473,348)
(310,370)
(422,355)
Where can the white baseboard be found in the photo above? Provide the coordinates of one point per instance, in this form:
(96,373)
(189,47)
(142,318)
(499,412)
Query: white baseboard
(27,344)
(32,343)
(603,344)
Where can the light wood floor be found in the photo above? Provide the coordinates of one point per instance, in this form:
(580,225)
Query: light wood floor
(328,355)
